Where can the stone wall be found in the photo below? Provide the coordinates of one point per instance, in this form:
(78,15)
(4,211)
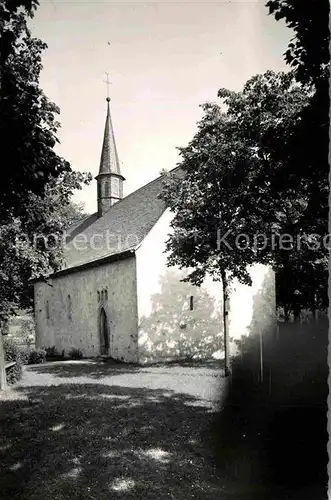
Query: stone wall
(66,322)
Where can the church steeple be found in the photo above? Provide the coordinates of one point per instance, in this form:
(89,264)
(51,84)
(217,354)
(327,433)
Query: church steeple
(110,180)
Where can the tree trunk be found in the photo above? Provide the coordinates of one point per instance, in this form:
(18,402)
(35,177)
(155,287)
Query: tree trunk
(313,308)
(286,314)
(261,354)
(3,379)
(226,324)
(297,315)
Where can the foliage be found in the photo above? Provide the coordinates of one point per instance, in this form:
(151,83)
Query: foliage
(302,285)
(51,352)
(25,354)
(27,330)
(36,356)
(308,56)
(33,356)
(73,213)
(12,353)
(5,328)
(27,126)
(240,177)
(11,349)
(75,353)
(35,194)
(226,174)
(259,164)
(308,51)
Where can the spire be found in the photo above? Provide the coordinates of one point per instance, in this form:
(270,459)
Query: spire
(110,180)
(109,163)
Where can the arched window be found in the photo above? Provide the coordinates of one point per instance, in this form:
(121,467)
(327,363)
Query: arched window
(47,310)
(104,332)
(69,308)
(98,296)
(106,294)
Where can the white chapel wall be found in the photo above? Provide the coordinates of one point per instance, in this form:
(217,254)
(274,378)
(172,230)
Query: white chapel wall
(81,331)
(168,328)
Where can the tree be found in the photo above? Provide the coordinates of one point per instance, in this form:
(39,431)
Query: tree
(73,213)
(241,190)
(308,51)
(308,56)
(32,244)
(27,126)
(37,185)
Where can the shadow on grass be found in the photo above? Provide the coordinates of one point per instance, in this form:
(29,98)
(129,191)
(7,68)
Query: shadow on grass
(98,369)
(210,364)
(93,441)
(84,368)
(96,441)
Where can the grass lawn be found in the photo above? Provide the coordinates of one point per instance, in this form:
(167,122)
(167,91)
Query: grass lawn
(93,430)
(98,439)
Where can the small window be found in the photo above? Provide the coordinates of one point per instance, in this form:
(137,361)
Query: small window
(47,310)
(191,303)
(116,187)
(106,294)
(98,296)
(102,295)
(107,190)
(69,308)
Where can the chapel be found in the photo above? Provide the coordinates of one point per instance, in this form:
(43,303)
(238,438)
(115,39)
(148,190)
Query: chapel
(115,295)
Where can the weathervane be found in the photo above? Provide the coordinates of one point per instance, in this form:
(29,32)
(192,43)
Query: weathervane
(108,83)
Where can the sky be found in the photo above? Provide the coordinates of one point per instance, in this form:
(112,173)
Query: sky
(164,60)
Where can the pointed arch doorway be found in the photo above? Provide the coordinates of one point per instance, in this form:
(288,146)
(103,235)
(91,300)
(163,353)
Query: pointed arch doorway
(104,333)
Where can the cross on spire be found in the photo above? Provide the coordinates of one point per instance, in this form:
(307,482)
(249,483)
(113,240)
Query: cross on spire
(108,83)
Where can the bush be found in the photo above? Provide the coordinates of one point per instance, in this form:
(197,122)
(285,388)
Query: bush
(36,356)
(27,331)
(25,354)
(12,353)
(75,353)
(51,352)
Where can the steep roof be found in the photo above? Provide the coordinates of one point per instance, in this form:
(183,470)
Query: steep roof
(109,163)
(122,228)
(79,226)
